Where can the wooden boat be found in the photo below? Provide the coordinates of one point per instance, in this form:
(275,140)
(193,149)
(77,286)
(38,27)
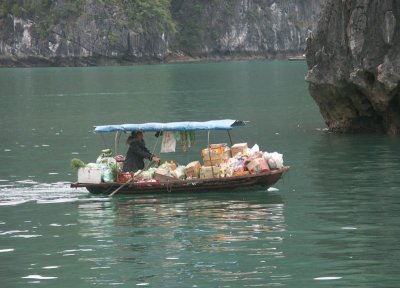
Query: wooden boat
(297,58)
(262,179)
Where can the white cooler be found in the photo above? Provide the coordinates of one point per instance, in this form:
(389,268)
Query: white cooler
(89,175)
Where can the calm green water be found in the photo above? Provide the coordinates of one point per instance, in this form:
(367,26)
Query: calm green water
(334,220)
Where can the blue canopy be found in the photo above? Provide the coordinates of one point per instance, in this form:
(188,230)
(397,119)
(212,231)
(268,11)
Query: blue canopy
(225,124)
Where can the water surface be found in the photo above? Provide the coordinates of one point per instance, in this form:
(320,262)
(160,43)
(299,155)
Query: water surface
(333,221)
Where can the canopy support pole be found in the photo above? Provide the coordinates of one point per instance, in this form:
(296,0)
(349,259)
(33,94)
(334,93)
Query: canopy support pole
(209,153)
(116,141)
(155,145)
(230,138)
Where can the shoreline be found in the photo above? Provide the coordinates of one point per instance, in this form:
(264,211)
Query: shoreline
(172,58)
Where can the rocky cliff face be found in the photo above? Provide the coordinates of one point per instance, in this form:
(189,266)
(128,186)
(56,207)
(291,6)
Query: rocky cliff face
(354,60)
(263,27)
(103,32)
(100,33)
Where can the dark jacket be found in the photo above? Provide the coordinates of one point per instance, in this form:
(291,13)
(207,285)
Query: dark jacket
(135,156)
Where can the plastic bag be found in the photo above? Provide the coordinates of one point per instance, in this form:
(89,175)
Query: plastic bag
(107,175)
(272,163)
(106,161)
(168,143)
(274,160)
(93,166)
(104,154)
(179,172)
(254,149)
(124,177)
(147,174)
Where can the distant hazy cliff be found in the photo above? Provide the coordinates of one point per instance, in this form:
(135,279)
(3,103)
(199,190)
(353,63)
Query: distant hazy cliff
(354,65)
(93,32)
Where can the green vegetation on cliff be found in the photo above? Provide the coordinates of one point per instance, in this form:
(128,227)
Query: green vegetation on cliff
(201,21)
(142,13)
(45,14)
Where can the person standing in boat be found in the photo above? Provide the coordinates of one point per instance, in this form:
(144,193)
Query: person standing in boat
(137,152)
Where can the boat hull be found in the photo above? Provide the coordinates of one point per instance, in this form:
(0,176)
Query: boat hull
(264,179)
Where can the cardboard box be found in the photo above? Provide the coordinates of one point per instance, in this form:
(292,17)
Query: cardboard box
(214,162)
(192,170)
(214,150)
(239,148)
(225,155)
(89,175)
(257,165)
(219,148)
(209,172)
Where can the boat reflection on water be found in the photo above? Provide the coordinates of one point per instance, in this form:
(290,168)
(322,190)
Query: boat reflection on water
(188,236)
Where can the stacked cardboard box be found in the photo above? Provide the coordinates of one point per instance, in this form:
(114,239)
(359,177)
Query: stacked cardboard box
(215,154)
(239,148)
(209,172)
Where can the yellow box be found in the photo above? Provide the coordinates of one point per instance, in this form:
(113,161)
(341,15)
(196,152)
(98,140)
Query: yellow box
(214,149)
(221,147)
(225,155)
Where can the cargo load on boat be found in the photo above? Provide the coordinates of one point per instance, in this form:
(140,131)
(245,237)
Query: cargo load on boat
(218,165)
(216,162)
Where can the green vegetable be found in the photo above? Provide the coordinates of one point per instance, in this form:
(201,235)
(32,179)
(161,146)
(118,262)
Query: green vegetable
(77,163)
(115,170)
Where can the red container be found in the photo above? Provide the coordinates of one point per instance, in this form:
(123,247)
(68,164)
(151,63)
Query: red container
(124,177)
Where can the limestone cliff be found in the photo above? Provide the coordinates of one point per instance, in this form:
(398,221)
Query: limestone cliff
(264,27)
(353,60)
(95,32)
